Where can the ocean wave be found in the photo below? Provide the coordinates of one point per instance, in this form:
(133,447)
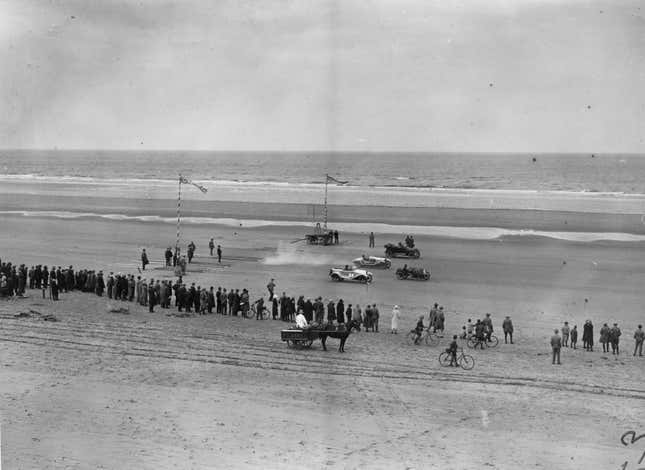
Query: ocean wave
(463,189)
(464,233)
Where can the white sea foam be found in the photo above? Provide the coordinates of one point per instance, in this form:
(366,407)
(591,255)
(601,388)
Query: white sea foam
(465,233)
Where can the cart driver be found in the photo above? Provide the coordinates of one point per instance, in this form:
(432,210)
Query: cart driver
(301,321)
(365,257)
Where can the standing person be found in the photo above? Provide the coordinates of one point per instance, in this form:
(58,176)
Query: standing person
(395,320)
(639,337)
(274,309)
(587,336)
(357,317)
(604,337)
(556,344)
(271,288)
(218,300)
(432,316)
(507,327)
(375,316)
(259,308)
(440,322)
(565,334)
(100,284)
(331,312)
(340,312)
(168,256)
(219,254)
(574,336)
(614,338)
(144,259)
(191,251)
(488,325)
(335,237)
(152,297)
(371,239)
(211,245)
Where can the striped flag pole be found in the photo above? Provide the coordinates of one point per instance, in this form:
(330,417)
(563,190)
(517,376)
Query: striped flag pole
(325,206)
(178,214)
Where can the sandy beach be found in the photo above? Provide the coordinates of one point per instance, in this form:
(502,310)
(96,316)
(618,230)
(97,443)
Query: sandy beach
(106,390)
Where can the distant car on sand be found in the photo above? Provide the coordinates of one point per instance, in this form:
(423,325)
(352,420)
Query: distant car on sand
(350,274)
(372,262)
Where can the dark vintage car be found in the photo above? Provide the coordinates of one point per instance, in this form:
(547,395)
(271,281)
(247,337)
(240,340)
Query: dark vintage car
(401,251)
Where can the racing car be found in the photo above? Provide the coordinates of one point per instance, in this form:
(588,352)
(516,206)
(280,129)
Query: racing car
(421,274)
(401,251)
(372,262)
(350,273)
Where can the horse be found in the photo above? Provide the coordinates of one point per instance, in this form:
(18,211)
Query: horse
(340,334)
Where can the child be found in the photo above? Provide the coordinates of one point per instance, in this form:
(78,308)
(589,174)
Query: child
(464,333)
(452,349)
(469,329)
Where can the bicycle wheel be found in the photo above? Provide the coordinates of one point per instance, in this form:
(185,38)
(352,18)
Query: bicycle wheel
(471,342)
(410,337)
(444,359)
(466,361)
(431,339)
(249,312)
(265,314)
(492,342)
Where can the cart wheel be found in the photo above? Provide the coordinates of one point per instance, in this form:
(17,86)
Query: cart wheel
(290,344)
(307,343)
(444,359)
(409,338)
(432,340)
(467,362)
(416,253)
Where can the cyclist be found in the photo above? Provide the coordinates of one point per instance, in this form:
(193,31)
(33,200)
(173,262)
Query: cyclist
(419,330)
(452,350)
(480,334)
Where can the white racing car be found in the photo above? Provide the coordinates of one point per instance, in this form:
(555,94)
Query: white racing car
(372,262)
(350,274)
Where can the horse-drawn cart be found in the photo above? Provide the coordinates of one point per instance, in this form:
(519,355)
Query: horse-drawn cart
(300,338)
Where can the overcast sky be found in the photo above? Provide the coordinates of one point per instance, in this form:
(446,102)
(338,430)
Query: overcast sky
(493,75)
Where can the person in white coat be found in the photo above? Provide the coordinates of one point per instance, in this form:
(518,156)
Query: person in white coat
(395,319)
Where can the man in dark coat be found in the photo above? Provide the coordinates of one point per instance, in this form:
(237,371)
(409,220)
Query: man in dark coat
(308,311)
(100,284)
(340,311)
(152,297)
(144,259)
(331,312)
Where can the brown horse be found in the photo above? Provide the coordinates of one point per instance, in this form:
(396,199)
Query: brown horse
(340,334)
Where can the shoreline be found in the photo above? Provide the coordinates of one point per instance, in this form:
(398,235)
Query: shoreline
(302,214)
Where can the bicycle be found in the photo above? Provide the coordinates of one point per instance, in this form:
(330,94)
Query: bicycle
(429,337)
(474,342)
(465,361)
(253,312)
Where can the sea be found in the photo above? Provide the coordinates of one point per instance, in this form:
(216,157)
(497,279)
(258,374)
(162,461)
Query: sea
(581,183)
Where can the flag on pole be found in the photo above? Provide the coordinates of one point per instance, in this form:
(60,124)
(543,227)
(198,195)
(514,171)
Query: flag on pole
(184,180)
(334,180)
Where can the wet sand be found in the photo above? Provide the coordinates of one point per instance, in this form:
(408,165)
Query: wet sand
(99,389)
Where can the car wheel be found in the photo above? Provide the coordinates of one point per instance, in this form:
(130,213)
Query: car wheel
(388,264)
(416,253)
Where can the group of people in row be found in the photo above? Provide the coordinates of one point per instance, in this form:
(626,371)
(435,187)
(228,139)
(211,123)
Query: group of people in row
(609,337)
